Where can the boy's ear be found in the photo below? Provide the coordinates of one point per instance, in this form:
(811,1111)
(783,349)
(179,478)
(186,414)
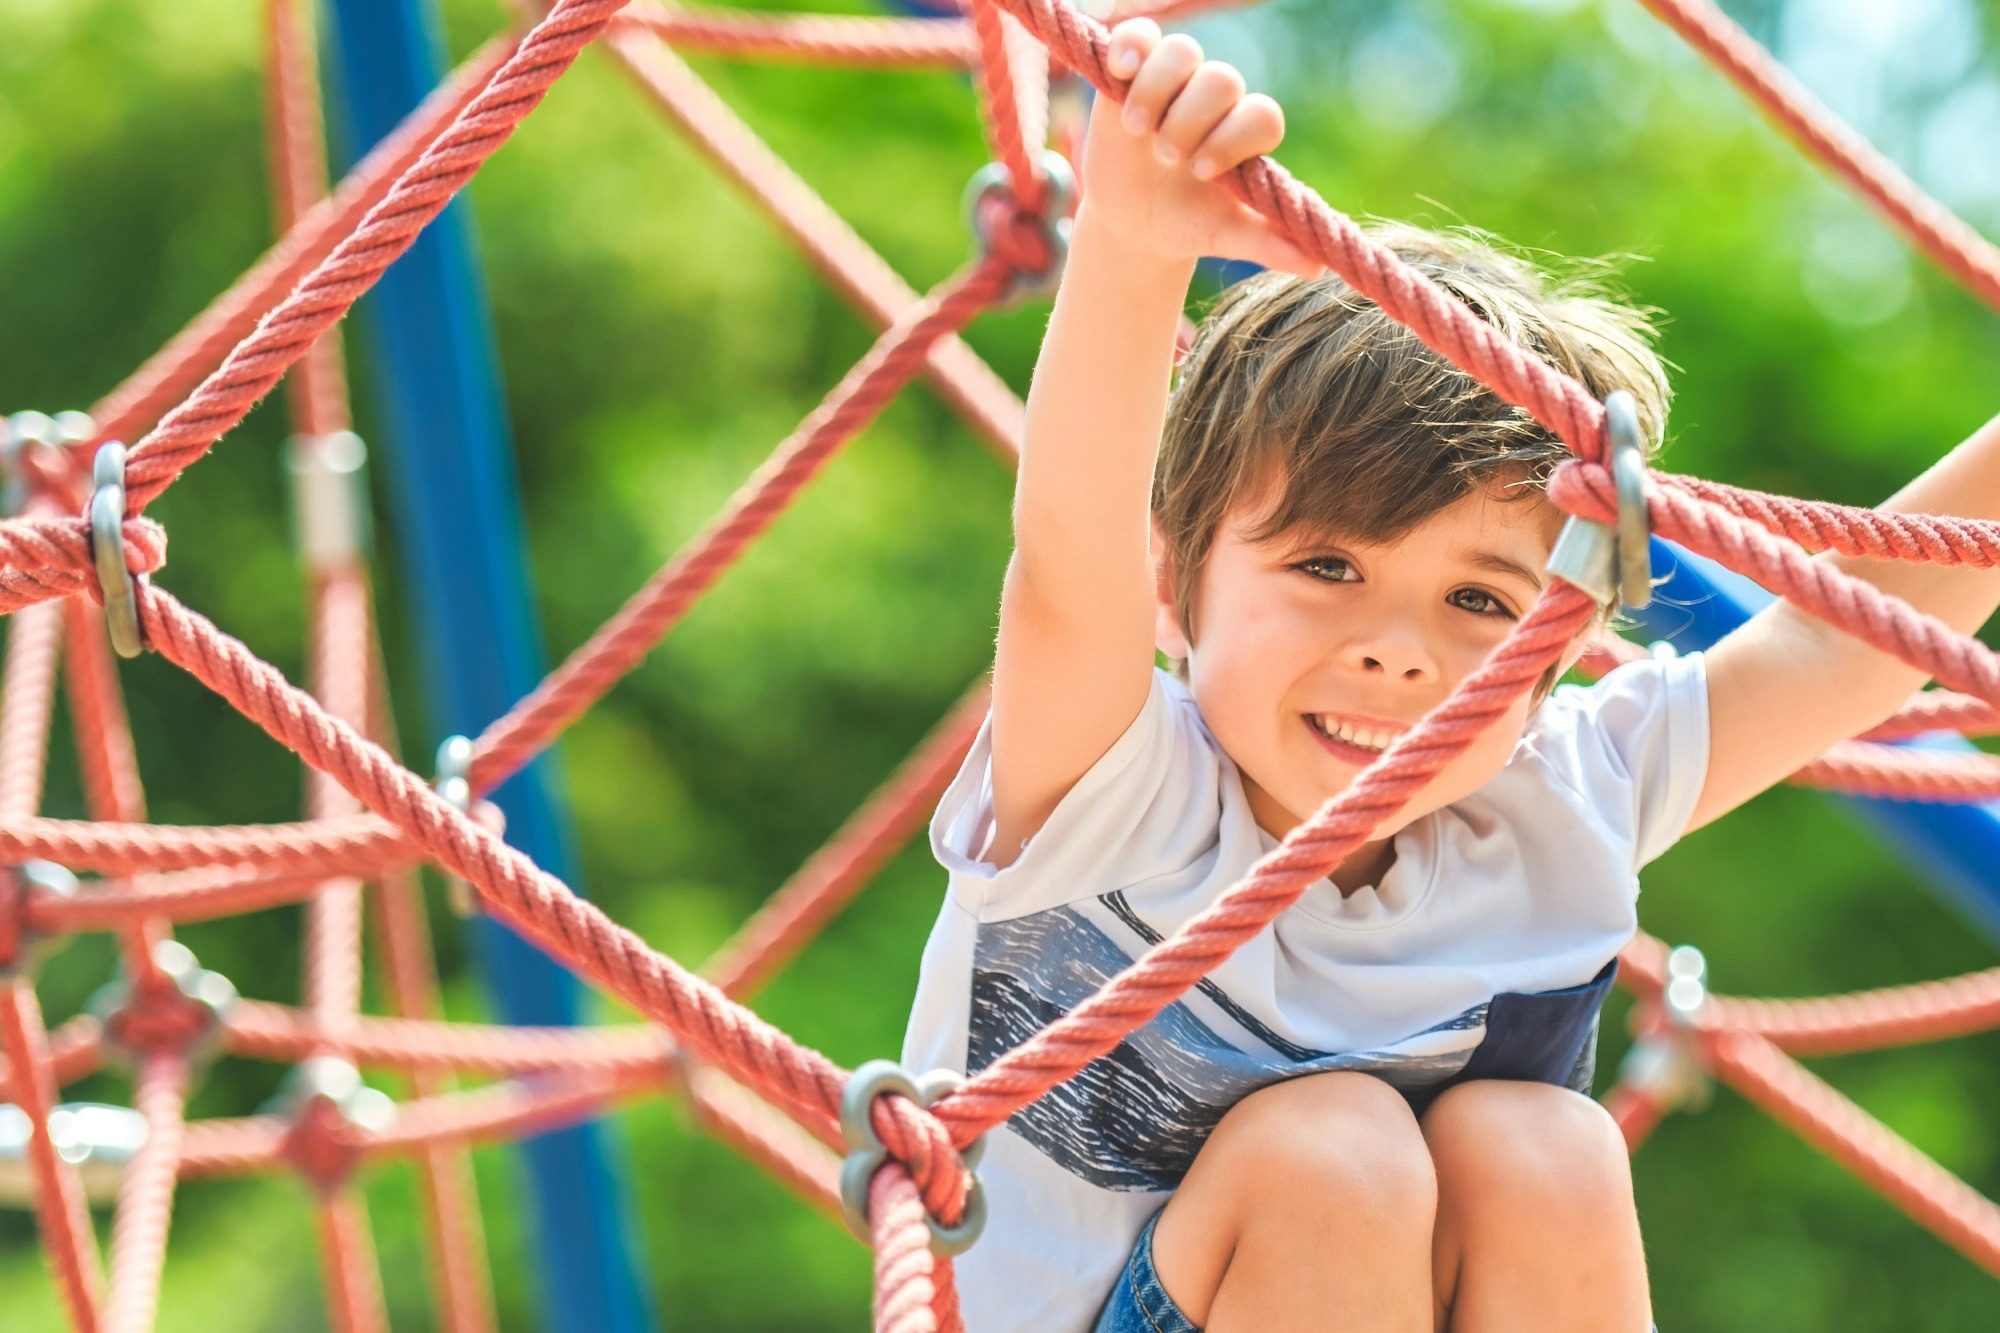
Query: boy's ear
(1168,636)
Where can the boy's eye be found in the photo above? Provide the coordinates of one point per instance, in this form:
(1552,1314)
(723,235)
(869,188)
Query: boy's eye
(1330,568)
(1479,602)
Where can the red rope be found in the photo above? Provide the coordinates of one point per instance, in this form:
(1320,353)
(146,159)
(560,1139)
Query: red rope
(27,702)
(1166,971)
(904,1291)
(1445,324)
(362,845)
(1938,1200)
(1014,101)
(297,147)
(44,558)
(1899,773)
(881,43)
(347,1259)
(146,1197)
(1956,247)
(624,640)
(843,866)
(61,1213)
(420,193)
(177,368)
(862,277)
(263,1031)
(189,895)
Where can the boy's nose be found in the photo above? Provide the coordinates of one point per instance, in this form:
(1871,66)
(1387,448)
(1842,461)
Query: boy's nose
(1402,656)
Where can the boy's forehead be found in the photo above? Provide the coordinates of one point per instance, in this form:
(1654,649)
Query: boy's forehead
(1490,519)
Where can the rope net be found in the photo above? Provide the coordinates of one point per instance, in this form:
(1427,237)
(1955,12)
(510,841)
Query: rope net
(371,821)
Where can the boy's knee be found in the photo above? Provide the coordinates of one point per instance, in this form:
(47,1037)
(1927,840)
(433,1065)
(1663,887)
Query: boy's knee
(1531,1148)
(1340,1143)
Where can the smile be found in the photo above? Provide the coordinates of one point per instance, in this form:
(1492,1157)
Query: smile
(1351,739)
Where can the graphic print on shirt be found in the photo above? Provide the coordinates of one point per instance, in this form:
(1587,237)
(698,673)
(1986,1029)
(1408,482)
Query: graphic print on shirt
(1135,1118)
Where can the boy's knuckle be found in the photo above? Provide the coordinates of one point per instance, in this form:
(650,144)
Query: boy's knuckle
(1224,77)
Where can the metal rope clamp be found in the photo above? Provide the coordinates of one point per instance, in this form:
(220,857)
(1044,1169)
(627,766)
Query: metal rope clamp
(993,180)
(98,1142)
(866,1154)
(1613,564)
(454,784)
(28,946)
(1666,1065)
(202,1001)
(39,431)
(107,550)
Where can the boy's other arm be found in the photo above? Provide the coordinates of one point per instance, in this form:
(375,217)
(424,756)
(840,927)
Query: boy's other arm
(1075,653)
(1787,685)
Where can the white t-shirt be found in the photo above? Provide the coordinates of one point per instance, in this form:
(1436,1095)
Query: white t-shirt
(1484,952)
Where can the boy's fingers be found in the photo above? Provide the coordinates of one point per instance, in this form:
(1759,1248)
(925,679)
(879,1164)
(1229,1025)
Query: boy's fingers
(1160,79)
(1254,127)
(1131,42)
(1211,93)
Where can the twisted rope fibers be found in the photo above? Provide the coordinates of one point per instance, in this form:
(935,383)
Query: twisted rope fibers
(1722,515)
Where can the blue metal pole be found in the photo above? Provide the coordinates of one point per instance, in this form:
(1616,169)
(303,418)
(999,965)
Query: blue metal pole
(449,464)
(1958,845)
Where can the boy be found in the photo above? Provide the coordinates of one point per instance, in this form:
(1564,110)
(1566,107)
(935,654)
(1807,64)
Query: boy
(1364,1119)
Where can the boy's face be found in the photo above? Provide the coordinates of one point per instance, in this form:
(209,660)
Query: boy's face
(1311,652)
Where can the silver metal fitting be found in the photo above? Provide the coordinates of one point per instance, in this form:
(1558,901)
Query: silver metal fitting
(107,549)
(1665,1065)
(328,493)
(99,1141)
(334,1080)
(1613,564)
(1686,993)
(30,948)
(454,785)
(1054,222)
(38,430)
(210,993)
(866,1155)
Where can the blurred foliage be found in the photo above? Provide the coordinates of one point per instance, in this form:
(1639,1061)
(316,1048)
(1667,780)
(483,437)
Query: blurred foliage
(658,337)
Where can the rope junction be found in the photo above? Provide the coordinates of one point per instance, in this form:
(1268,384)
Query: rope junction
(370,821)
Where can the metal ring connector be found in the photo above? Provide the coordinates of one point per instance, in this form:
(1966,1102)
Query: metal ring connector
(866,1154)
(454,784)
(1628,475)
(1054,222)
(1613,563)
(107,550)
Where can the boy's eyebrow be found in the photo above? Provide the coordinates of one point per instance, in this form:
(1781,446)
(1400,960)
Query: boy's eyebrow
(1500,564)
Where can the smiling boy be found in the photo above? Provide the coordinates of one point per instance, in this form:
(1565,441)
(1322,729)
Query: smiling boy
(1373,1116)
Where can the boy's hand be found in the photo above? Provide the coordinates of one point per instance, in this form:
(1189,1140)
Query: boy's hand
(1152,166)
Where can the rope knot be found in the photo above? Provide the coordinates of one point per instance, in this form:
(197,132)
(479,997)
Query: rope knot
(333,1114)
(884,1118)
(1032,241)
(22,944)
(179,1008)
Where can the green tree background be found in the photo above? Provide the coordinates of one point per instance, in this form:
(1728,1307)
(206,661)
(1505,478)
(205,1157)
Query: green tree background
(658,337)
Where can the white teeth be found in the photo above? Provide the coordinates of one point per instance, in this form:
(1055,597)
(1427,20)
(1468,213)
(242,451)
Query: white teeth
(1362,738)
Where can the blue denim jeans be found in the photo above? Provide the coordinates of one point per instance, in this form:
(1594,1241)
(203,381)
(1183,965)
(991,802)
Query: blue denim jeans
(1139,1304)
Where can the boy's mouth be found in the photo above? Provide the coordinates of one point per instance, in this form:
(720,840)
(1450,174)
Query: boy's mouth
(1352,740)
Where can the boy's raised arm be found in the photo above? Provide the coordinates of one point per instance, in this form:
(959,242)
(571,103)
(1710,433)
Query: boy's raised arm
(1787,685)
(1075,651)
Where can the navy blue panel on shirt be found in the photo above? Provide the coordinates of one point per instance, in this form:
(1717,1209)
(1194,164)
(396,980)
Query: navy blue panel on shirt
(1550,1037)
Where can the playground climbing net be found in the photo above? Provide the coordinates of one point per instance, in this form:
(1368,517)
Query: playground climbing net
(79,541)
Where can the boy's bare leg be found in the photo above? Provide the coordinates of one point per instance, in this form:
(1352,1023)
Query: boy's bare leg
(1310,1207)
(1536,1227)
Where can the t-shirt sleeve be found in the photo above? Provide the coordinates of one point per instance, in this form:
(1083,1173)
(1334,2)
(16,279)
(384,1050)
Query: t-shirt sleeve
(1138,812)
(1633,748)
